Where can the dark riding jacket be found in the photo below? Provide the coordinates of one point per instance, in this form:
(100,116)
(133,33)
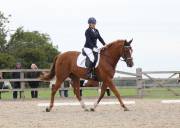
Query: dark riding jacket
(91,38)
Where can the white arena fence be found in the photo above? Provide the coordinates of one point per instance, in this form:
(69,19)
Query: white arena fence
(142,80)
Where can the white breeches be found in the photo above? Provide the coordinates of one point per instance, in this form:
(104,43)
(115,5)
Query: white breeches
(89,53)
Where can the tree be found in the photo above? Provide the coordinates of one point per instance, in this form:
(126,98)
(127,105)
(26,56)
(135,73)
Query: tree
(32,47)
(24,46)
(6,61)
(3,31)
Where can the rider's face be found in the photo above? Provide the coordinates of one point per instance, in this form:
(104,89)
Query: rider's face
(92,25)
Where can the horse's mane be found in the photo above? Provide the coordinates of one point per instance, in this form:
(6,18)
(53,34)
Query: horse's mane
(112,43)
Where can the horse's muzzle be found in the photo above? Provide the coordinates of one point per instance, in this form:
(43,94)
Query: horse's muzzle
(130,63)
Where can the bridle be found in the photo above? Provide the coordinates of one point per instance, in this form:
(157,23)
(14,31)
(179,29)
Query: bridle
(125,58)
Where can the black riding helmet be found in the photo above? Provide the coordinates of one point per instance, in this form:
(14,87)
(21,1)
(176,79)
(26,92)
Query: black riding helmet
(91,20)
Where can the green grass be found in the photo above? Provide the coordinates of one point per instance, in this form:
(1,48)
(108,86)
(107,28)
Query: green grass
(161,93)
(124,91)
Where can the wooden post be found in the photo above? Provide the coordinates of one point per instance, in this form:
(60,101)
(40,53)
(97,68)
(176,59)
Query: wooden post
(139,82)
(178,81)
(22,85)
(62,91)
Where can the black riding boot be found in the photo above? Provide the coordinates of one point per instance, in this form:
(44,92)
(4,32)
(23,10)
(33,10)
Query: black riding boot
(91,73)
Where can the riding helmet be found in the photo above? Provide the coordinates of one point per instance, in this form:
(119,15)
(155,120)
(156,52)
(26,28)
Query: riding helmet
(91,20)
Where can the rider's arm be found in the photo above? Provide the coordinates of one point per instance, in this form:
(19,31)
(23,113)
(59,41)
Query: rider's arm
(100,38)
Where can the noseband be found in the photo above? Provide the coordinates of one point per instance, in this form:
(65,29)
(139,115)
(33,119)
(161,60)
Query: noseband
(124,56)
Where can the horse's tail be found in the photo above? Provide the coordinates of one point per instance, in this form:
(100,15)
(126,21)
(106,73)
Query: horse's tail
(51,74)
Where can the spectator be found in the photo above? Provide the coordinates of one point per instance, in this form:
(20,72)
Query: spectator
(16,85)
(34,84)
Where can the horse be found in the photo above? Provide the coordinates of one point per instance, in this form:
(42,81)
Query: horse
(64,66)
(91,83)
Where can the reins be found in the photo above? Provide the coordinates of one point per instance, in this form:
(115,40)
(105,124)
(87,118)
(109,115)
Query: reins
(120,57)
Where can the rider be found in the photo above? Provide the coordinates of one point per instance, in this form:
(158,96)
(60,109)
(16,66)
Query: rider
(92,34)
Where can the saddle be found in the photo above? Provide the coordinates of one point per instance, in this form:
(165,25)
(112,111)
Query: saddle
(83,60)
(88,63)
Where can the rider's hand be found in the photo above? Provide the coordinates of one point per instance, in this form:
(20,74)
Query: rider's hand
(103,48)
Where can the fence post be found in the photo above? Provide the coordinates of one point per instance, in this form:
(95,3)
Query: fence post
(22,83)
(139,82)
(62,91)
(178,81)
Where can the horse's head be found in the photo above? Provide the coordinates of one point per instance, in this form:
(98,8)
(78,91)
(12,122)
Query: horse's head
(127,53)
(119,48)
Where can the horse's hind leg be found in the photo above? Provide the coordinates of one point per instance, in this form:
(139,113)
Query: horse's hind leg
(103,89)
(60,77)
(116,93)
(53,92)
(76,85)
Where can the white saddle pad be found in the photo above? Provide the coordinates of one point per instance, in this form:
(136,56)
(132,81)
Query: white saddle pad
(81,61)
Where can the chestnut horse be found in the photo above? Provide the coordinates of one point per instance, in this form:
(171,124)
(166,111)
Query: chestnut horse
(91,83)
(64,66)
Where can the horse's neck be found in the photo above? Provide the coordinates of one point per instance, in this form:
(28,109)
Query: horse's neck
(114,55)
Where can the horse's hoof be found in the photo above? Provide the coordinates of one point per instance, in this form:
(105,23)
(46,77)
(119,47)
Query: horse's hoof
(126,109)
(92,109)
(47,109)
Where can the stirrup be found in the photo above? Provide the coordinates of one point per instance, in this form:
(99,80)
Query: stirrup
(88,75)
(91,74)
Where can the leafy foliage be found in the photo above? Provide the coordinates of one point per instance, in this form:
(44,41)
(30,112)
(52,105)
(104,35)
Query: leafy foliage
(3,31)
(25,47)
(6,60)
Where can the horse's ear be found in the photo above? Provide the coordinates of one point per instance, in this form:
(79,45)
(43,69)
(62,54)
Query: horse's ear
(130,41)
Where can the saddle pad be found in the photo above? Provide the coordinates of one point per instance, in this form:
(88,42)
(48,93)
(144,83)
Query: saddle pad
(81,61)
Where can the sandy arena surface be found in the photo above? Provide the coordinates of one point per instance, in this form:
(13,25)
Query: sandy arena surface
(144,114)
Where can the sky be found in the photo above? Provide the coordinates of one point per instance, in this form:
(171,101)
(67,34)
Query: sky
(153,24)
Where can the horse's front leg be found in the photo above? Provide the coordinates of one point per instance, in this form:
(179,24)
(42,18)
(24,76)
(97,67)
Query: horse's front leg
(77,93)
(117,94)
(103,89)
(76,85)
